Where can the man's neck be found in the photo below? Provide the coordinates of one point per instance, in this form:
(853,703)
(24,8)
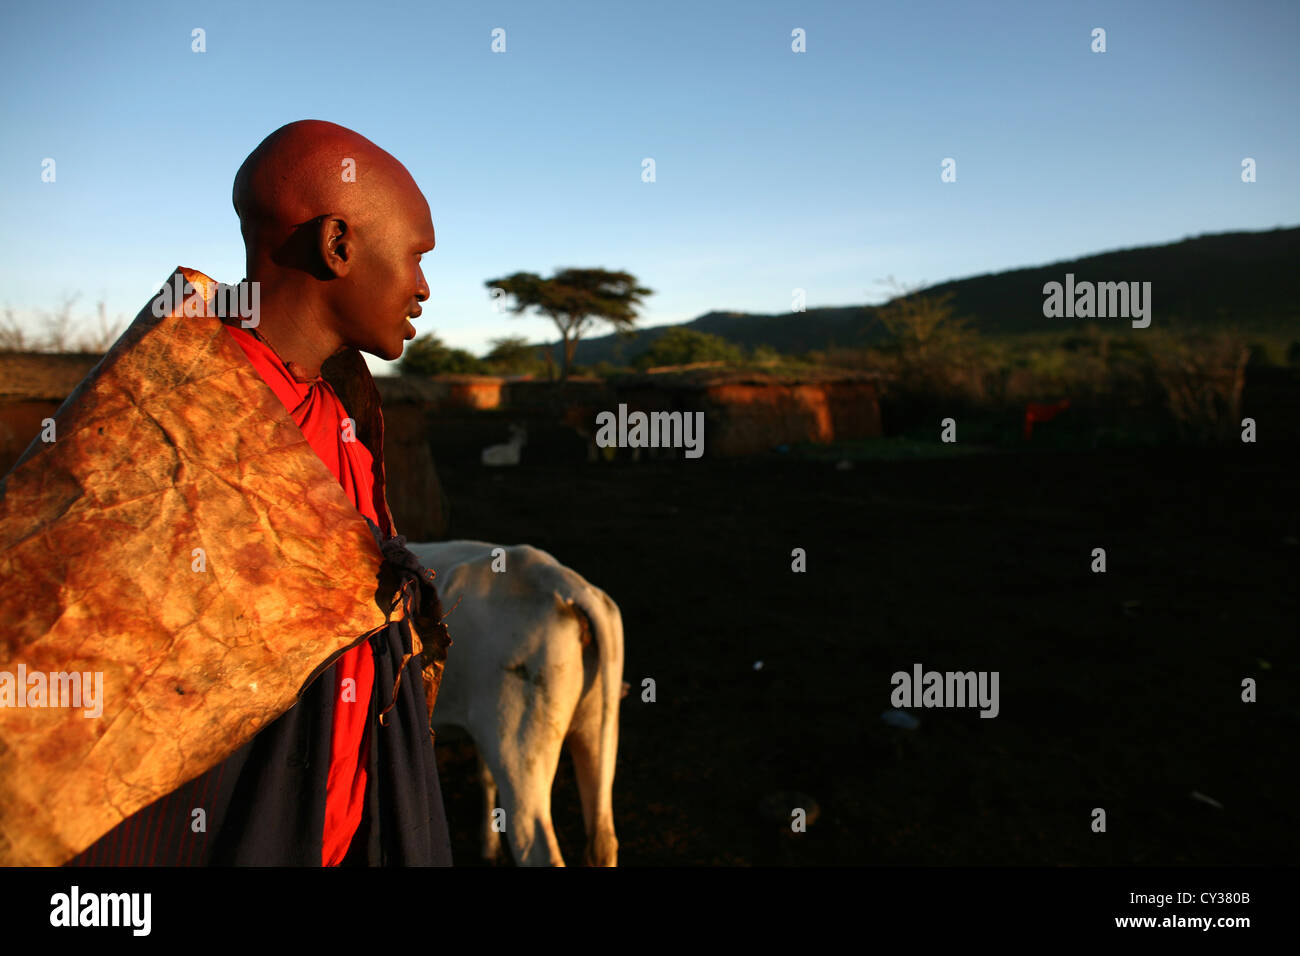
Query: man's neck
(294,329)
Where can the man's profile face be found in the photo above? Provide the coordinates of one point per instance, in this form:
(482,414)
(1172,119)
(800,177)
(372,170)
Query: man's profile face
(386,281)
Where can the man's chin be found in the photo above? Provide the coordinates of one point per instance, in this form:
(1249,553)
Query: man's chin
(389,353)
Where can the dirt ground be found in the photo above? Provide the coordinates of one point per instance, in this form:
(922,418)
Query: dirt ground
(1119,690)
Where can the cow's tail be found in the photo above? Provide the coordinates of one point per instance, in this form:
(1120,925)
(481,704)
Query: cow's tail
(607,631)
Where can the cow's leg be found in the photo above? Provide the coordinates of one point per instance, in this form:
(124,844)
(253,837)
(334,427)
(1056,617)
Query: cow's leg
(491,839)
(584,748)
(524,775)
(522,746)
(597,813)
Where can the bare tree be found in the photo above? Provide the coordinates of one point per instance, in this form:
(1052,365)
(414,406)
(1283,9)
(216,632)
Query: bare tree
(103,337)
(921,325)
(13,337)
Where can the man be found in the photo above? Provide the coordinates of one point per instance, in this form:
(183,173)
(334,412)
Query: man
(272,440)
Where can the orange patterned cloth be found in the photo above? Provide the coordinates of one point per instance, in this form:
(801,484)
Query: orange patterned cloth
(189,548)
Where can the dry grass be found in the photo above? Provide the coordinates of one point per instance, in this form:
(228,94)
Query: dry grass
(60,331)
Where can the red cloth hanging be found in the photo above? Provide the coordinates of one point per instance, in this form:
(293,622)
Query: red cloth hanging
(317,411)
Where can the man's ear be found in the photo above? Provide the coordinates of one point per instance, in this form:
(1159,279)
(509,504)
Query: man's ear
(335,245)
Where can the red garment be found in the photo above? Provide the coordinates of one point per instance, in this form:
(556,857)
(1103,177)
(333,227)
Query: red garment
(317,411)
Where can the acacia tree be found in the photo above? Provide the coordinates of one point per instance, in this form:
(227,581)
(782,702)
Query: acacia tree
(574,299)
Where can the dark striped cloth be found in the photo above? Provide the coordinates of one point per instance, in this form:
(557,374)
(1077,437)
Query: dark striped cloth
(265,804)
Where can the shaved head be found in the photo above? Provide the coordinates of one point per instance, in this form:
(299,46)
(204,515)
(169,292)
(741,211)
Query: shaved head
(337,226)
(309,169)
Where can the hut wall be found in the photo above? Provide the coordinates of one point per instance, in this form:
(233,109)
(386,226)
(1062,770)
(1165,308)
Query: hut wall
(752,418)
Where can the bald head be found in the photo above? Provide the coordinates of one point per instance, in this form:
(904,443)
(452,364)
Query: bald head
(335,225)
(309,169)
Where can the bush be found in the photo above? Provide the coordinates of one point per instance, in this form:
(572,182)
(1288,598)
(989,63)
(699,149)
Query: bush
(513,355)
(429,355)
(681,346)
(604,369)
(1203,378)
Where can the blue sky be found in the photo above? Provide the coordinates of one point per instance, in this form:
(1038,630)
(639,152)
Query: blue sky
(775,170)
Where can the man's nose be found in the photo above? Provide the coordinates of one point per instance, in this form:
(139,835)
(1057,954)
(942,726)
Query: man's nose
(422,290)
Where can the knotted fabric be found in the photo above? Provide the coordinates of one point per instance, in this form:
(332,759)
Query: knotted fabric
(422,607)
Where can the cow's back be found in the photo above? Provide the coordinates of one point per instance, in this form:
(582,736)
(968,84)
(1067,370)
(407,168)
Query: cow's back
(499,620)
(536,659)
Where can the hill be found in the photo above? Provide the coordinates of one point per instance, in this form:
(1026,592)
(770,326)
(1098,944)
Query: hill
(1251,279)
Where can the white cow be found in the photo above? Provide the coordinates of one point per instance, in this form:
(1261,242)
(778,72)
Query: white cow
(537,661)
